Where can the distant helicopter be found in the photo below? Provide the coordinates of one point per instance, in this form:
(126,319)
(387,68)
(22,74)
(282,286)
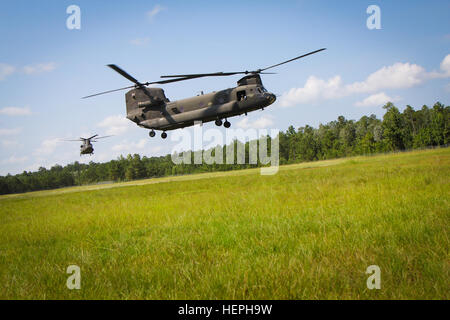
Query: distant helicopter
(149,108)
(86,147)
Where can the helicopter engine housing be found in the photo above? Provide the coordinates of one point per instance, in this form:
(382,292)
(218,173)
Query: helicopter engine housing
(140,101)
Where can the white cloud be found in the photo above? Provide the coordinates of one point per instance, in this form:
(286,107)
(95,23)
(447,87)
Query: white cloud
(10,143)
(33,167)
(445,66)
(47,147)
(140,41)
(399,75)
(263,122)
(156,9)
(375,100)
(47,160)
(396,76)
(126,146)
(15,111)
(116,125)
(6,70)
(14,160)
(314,89)
(39,68)
(10,132)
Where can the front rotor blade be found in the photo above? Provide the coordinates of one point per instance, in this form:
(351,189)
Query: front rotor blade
(198,75)
(215,74)
(97,94)
(102,137)
(290,60)
(92,137)
(172,80)
(124,73)
(219,74)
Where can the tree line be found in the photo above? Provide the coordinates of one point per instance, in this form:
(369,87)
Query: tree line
(410,129)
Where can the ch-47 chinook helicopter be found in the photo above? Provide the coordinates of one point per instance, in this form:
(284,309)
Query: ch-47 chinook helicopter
(149,108)
(86,147)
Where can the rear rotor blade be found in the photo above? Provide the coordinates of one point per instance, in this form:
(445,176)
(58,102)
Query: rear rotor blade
(124,73)
(97,94)
(141,85)
(183,77)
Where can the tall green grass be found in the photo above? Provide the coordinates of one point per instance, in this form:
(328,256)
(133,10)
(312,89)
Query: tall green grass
(308,232)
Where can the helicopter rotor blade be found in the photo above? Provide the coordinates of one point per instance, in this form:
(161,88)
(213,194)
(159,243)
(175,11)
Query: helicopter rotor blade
(198,75)
(214,74)
(92,137)
(183,77)
(101,137)
(141,85)
(220,74)
(123,73)
(290,60)
(109,91)
(174,80)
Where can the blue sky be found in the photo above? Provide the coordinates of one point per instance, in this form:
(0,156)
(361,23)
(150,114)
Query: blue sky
(45,68)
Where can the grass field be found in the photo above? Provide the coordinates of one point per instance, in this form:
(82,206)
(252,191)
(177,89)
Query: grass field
(308,232)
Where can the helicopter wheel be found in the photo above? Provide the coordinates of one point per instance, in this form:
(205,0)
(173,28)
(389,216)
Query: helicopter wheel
(227,124)
(163,135)
(152,133)
(218,122)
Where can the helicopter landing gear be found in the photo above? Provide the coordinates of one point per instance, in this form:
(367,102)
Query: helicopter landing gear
(163,135)
(152,133)
(227,124)
(218,122)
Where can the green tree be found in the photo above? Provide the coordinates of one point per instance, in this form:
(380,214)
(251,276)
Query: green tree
(393,128)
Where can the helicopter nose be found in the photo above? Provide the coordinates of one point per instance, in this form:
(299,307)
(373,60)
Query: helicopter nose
(271,97)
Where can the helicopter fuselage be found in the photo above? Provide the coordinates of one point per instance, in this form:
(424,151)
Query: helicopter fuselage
(86,148)
(149,108)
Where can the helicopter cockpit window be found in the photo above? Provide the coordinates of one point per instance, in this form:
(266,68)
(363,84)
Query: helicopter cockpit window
(241,95)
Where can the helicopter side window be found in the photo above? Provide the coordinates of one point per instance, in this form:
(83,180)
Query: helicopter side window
(241,95)
(176,111)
